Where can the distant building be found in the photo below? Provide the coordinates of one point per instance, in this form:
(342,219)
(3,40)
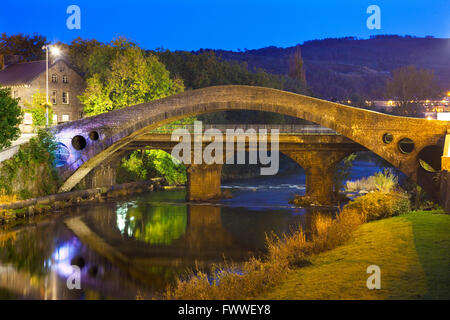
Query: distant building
(431,107)
(64,83)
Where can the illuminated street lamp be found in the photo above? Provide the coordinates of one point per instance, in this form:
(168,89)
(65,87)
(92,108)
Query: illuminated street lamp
(55,51)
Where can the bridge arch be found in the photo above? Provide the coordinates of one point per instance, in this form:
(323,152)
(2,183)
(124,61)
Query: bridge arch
(114,130)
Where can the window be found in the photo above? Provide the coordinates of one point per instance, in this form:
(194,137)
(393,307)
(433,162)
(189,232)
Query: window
(65,97)
(53,97)
(54,78)
(65,79)
(55,119)
(27,118)
(65,117)
(15,94)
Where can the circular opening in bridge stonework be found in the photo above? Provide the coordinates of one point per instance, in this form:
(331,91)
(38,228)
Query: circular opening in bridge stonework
(79,142)
(388,138)
(406,145)
(93,135)
(430,158)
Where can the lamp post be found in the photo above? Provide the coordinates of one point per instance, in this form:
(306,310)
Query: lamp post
(55,51)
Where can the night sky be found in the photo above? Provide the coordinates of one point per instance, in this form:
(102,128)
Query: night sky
(224,24)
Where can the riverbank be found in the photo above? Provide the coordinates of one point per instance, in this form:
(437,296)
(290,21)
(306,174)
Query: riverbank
(412,251)
(12,211)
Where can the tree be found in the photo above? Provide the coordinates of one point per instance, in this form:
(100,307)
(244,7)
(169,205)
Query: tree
(80,51)
(10,117)
(26,46)
(147,164)
(408,87)
(131,77)
(38,109)
(296,67)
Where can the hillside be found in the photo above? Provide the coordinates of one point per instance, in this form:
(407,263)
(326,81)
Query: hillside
(337,68)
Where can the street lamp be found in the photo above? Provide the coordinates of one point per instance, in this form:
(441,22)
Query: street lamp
(55,52)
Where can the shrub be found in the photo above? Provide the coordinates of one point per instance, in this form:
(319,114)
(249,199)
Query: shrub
(384,181)
(30,172)
(377,205)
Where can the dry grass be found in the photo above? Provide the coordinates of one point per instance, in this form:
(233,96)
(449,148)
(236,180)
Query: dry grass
(255,276)
(378,205)
(250,279)
(384,182)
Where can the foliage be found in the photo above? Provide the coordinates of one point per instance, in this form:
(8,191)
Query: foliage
(157,225)
(204,69)
(183,123)
(384,181)
(343,171)
(126,76)
(79,53)
(37,108)
(147,164)
(408,87)
(27,47)
(10,117)
(378,205)
(30,171)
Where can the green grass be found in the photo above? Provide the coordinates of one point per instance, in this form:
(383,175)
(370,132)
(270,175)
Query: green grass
(412,251)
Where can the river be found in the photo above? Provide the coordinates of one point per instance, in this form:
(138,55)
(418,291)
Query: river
(135,247)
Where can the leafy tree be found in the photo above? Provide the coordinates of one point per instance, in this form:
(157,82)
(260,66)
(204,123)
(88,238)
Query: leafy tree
(408,87)
(147,164)
(79,53)
(131,77)
(26,46)
(204,69)
(10,118)
(37,108)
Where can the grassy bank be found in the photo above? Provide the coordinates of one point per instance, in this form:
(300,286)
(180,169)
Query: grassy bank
(288,252)
(412,251)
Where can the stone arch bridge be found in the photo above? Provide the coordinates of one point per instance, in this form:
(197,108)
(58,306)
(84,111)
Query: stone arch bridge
(92,142)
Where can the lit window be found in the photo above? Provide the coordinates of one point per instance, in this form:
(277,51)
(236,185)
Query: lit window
(55,118)
(65,79)
(65,97)
(65,117)
(54,78)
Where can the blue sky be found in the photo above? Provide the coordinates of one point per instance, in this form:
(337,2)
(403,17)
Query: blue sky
(225,24)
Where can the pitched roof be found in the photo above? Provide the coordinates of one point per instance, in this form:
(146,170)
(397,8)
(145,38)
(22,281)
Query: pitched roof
(21,73)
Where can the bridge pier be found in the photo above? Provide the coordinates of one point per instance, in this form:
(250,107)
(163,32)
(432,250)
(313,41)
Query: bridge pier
(319,168)
(203,182)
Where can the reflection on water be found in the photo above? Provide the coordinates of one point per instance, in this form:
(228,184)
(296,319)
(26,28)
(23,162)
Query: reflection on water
(138,245)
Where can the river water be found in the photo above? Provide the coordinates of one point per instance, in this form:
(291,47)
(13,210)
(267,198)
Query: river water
(135,247)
